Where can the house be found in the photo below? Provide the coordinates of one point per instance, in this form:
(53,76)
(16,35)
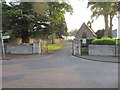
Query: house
(85,32)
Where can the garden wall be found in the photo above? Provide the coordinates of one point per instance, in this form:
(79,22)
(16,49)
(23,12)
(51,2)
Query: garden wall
(105,50)
(22,48)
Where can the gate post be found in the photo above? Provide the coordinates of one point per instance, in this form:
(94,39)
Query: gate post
(76,47)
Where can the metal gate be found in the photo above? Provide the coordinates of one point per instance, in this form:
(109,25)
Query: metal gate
(84,49)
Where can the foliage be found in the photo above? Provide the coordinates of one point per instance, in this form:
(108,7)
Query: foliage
(88,41)
(23,20)
(56,17)
(104,41)
(100,33)
(73,33)
(52,47)
(108,10)
(118,41)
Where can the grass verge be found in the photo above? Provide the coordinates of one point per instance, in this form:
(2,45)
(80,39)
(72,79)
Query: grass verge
(53,47)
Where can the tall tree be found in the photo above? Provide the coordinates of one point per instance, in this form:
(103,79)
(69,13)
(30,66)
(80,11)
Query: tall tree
(21,21)
(56,13)
(107,10)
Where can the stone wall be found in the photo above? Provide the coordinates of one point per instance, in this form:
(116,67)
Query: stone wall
(22,48)
(105,50)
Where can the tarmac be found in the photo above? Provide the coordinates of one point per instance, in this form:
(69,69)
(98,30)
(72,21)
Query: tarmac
(22,56)
(110,59)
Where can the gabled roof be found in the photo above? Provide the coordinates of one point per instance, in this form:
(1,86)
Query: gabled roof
(91,30)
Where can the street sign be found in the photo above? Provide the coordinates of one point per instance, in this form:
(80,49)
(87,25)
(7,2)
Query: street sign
(5,37)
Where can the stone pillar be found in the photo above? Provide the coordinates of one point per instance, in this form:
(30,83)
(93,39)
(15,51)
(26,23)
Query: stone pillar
(76,48)
(118,31)
(37,46)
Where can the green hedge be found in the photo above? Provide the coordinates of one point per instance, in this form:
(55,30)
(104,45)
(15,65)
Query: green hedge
(88,41)
(104,41)
(118,41)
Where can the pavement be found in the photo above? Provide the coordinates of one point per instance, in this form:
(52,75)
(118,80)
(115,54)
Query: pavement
(22,56)
(58,70)
(109,59)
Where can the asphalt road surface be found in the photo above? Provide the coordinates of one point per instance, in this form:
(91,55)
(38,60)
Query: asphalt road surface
(59,70)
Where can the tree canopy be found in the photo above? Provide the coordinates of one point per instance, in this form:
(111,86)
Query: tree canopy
(108,10)
(23,20)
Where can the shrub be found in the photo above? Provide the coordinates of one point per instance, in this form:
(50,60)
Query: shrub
(104,41)
(88,41)
(118,41)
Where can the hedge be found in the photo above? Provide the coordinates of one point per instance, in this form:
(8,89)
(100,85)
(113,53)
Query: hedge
(88,41)
(104,41)
(118,41)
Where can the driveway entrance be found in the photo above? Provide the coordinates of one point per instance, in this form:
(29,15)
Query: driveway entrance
(59,70)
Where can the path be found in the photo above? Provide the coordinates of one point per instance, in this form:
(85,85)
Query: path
(59,70)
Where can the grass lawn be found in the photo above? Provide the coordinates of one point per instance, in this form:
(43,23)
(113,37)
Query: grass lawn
(52,47)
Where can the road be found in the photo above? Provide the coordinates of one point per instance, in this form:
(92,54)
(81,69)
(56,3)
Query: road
(59,70)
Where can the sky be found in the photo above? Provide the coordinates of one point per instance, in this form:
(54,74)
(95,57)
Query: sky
(82,14)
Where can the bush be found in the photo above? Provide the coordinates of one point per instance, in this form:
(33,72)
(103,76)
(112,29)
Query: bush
(104,41)
(88,41)
(118,41)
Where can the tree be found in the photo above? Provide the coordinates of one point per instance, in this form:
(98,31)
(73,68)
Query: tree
(107,10)
(73,33)
(21,21)
(100,33)
(56,13)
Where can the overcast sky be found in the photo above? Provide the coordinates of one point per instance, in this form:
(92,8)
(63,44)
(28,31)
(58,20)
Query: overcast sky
(82,14)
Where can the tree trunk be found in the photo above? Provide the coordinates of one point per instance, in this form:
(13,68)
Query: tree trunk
(25,37)
(106,25)
(53,38)
(111,25)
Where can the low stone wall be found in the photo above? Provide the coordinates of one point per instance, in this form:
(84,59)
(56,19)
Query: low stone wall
(22,48)
(104,50)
